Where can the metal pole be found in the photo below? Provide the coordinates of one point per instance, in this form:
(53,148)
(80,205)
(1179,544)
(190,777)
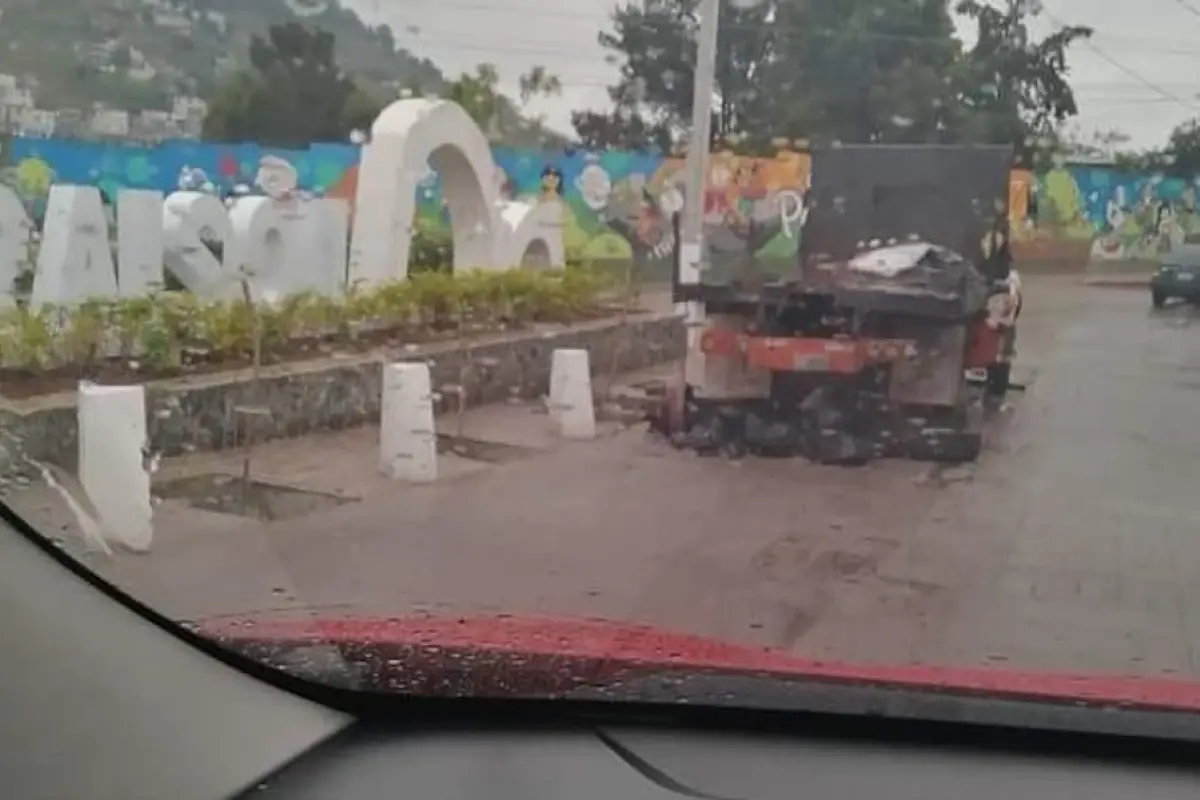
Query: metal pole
(692,250)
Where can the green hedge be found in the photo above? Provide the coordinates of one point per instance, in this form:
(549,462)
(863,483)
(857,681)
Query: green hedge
(157,330)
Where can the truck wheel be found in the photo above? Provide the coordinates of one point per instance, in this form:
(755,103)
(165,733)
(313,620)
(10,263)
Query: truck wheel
(1158,299)
(998,379)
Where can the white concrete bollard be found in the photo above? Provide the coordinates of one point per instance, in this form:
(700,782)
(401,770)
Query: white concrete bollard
(554,401)
(407,436)
(571,405)
(112,462)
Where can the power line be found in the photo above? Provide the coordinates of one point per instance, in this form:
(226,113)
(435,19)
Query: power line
(1154,87)
(1132,73)
(1188,7)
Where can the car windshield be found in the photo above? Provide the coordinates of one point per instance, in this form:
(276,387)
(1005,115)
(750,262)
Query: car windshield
(764,336)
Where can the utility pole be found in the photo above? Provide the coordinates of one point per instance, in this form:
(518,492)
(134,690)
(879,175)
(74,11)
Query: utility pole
(691,247)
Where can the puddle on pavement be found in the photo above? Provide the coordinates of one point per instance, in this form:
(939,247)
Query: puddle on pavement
(483,451)
(229,494)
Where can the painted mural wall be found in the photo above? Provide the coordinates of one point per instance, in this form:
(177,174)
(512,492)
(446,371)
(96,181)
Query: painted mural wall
(1101,214)
(618,204)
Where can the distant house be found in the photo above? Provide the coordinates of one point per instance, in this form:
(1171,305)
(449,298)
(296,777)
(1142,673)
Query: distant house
(13,94)
(33,122)
(109,123)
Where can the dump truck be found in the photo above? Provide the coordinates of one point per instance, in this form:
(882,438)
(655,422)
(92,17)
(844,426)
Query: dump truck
(864,347)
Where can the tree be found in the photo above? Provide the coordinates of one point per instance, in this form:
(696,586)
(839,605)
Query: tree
(294,94)
(496,115)
(361,108)
(655,46)
(1013,88)
(619,130)
(479,95)
(538,82)
(844,70)
(120,58)
(861,71)
(1181,156)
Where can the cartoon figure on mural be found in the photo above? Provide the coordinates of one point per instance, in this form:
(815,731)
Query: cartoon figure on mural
(1166,228)
(278,179)
(717,205)
(1148,215)
(30,180)
(594,185)
(1187,199)
(1108,245)
(1187,216)
(552,183)
(754,189)
(653,228)
(628,208)
(671,201)
(27,231)
(193,180)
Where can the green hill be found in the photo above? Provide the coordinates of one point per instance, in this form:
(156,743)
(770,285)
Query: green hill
(135,54)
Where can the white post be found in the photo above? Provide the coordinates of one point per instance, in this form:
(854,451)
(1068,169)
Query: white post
(571,404)
(554,401)
(691,233)
(692,250)
(407,436)
(140,247)
(112,461)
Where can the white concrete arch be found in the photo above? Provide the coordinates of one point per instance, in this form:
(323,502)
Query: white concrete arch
(530,228)
(536,256)
(407,136)
(489,233)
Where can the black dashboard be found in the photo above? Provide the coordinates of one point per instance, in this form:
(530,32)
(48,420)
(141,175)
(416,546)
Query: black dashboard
(662,764)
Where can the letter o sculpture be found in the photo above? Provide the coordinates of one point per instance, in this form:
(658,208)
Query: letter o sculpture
(489,233)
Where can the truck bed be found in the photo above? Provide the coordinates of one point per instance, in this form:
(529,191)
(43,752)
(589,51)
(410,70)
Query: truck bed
(934,282)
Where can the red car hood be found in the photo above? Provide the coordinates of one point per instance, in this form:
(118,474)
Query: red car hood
(524,656)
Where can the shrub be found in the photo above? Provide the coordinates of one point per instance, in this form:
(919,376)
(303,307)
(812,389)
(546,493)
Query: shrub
(160,331)
(431,250)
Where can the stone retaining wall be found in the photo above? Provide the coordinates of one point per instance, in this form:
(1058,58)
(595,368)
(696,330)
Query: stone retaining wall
(198,413)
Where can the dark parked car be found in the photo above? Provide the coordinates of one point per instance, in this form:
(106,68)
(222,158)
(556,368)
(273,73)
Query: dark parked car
(1178,276)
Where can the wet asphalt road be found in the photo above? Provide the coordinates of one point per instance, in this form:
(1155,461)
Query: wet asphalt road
(1073,544)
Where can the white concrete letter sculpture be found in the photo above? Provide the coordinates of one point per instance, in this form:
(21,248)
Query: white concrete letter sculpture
(571,404)
(188,220)
(140,246)
(407,436)
(489,233)
(112,461)
(290,243)
(75,262)
(15,227)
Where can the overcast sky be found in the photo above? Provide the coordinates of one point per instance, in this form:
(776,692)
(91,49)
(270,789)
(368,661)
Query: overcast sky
(1141,74)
